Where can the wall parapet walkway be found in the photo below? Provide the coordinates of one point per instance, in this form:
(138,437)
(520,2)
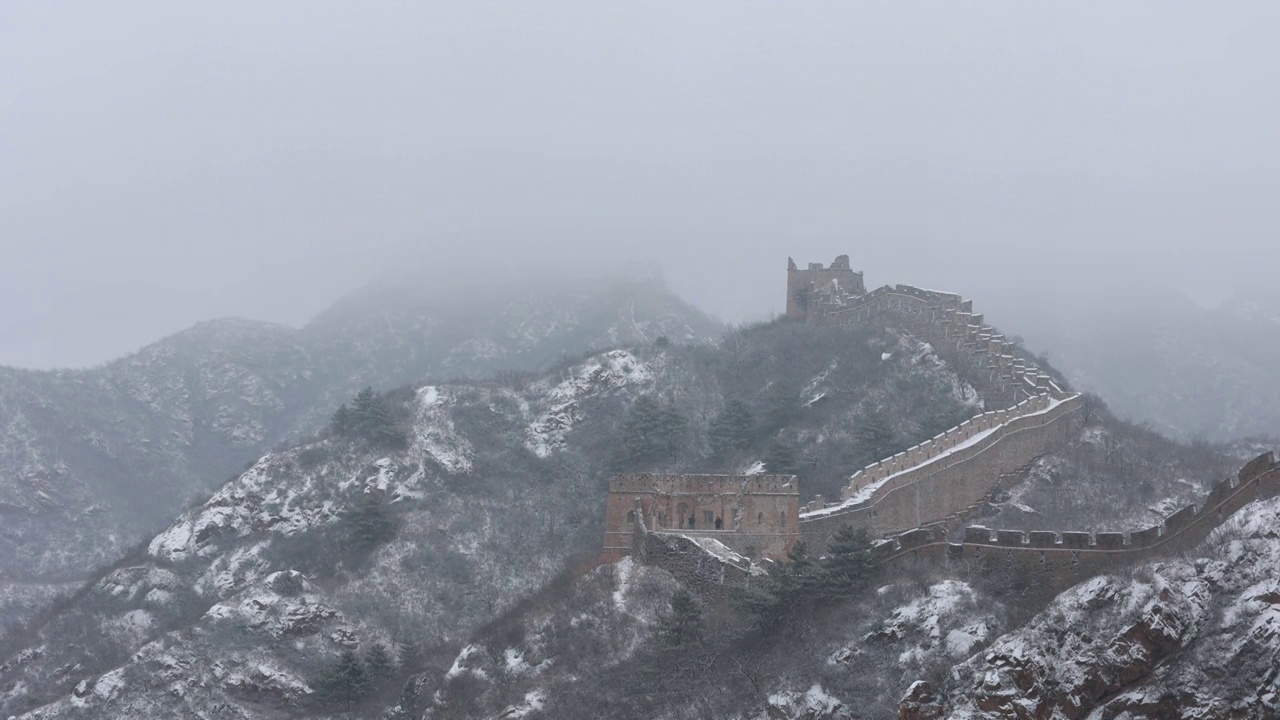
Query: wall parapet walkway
(947,322)
(1062,558)
(947,474)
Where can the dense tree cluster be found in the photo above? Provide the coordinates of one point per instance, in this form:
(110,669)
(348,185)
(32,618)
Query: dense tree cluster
(874,439)
(371,417)
(845,570)
(352,679)
(733,430)
(782,458)
(653,434)
(367,524)
(683,625)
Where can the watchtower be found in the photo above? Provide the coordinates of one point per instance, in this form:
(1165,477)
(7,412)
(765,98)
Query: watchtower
(757,516)
(804,286)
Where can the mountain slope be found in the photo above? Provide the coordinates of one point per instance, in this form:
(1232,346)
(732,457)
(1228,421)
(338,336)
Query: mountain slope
(93,460)
(501,485)
(246,602)
(1193,637)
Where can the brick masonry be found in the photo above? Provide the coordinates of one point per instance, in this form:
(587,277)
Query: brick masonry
(945,476)
(1061,559)
(930,488)
(809,289)
(757,514)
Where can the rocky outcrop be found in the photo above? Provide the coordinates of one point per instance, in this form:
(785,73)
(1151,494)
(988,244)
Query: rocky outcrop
(1191,638)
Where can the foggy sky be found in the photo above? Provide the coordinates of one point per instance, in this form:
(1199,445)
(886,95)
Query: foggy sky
(163,163)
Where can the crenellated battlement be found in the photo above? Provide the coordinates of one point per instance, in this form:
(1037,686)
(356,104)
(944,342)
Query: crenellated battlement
(706,528)
(947,322)
(703,484)
(1065,557)
(941,479)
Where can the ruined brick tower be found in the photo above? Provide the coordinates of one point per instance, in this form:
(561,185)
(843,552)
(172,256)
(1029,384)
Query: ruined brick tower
(756,516)
(804,286)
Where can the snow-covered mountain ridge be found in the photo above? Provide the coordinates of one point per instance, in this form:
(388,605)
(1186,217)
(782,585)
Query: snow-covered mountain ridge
(93,460)
(500,486)
(245,602)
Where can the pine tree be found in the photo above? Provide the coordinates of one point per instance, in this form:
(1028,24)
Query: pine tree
(411,655)
(732,429)
(340,423)
(652,433)
(847,566)
(781,458)
(379,662)
(782,407)
(874,439)
(368,523)
(369,417)
(346,682)
(410,706)
(761,604)
(684,625)
(800,577)
(673,429)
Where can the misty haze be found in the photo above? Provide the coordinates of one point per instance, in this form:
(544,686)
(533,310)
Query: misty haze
(735,360)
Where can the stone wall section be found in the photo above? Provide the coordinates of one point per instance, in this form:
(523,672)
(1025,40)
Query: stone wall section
(1045,559)
(948,474)
(932,487)
(701,572)
(947,322)
(1061,559)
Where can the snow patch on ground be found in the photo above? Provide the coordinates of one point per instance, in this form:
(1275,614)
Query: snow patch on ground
(533,702)
(514,661)
(602,373)
(435,435)
(622,569)
(110,684)
(461,663)
(813,703)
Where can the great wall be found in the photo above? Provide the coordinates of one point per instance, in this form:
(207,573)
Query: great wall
(914,500)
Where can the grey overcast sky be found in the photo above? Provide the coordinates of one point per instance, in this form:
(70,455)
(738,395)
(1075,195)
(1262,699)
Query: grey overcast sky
(163,163)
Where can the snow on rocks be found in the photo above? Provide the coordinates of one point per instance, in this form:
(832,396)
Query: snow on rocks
(813,704)
(533,702)
(922,354)
(230,510)
(132,627)
(946,619)
(469,661)
(234,571)
(258,675)
(109,685)
(622,572)
(1149,642)
(608,371)
(434,433)
(285,605)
